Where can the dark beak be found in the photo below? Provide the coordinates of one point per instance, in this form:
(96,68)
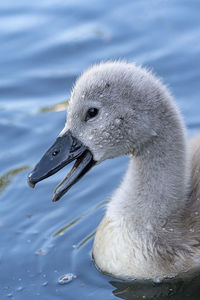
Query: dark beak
(65,149)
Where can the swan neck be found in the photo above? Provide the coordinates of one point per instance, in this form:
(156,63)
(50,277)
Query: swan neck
(155,185)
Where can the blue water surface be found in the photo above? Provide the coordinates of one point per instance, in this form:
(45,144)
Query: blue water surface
(45,45)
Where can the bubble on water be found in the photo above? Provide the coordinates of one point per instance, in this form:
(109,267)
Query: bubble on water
(101,146)
(101,96)
(191,229)
(66,278)
(20,288)
(196,213)
(45,283)
(83,96)
(112,126)
(10,295)
(90,137)
(171,229)
(40,252)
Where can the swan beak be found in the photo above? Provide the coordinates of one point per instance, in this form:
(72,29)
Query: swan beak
(65,149)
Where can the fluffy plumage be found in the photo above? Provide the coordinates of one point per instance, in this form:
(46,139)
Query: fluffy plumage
(151,227)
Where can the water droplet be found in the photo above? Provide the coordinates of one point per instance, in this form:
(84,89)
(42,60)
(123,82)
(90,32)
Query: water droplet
(149,226)
(90,137)
(101,146)
(153,133)
(83,96)
(191,229)
(10,295)
(117,121)
(94,131)
(171,229)
(129,131)
(112,126)
(66,278)
(106,134)
(196,213)
(157,280)
(80,134)
(101,96)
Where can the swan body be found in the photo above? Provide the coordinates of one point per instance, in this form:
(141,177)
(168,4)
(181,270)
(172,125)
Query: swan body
(151,227)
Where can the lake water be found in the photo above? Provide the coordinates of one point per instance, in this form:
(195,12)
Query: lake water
(45,45)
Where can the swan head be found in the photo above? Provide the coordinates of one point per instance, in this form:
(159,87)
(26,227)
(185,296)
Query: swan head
(115,108)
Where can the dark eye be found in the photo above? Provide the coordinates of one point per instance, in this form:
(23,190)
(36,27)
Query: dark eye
(91,113)
(55,152)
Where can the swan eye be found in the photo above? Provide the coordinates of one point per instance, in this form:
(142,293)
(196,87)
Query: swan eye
(91,113)
(55,152)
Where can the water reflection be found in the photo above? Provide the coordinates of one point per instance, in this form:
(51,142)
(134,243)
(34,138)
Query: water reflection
(85,240)
(57,107)
(176,289)
(7,178)
(76,220)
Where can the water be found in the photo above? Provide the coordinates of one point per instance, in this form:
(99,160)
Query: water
(45,45)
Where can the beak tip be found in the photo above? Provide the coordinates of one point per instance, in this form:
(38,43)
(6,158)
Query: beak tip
(55,198)
(30,183)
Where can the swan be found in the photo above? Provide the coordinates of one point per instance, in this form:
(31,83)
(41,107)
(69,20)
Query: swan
(151,228)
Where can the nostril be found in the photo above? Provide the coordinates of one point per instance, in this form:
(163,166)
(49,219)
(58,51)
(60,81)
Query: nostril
(55,152)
